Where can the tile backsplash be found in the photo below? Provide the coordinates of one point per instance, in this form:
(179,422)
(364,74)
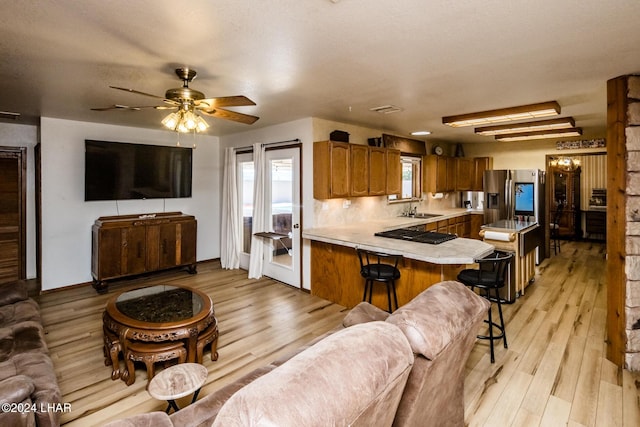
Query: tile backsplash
(358,209)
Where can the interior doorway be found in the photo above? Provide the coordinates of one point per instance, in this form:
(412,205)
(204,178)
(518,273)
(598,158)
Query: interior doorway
(13,194)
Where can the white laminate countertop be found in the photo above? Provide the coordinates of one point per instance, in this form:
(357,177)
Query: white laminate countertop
(361,235)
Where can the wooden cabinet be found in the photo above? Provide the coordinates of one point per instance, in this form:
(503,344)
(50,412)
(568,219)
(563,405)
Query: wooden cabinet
(596,224)
(565,190)
(331,169)
(434,174)
(359,170)
(464,173)
(342,170)
(127,245)
(476,225)
(480,164)
(394,172)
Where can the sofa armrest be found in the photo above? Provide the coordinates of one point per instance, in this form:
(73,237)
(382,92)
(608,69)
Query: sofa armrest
(364,313)
(16,389)
(13,292)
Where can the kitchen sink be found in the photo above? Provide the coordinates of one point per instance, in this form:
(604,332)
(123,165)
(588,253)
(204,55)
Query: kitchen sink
(420,215)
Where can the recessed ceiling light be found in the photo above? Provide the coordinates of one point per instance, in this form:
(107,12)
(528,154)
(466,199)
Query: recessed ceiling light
(421,133)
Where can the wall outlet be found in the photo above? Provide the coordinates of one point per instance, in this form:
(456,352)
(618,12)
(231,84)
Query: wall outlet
(325,206)
(346,204)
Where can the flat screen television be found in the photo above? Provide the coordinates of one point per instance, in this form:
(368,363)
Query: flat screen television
(525,198)
(122,171)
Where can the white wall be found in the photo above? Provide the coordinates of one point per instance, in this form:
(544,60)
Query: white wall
(16,135)
(67,218)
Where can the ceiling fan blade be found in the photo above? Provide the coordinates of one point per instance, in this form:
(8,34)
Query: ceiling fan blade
(136,108)
(224,101)
(137,91)
(231,115)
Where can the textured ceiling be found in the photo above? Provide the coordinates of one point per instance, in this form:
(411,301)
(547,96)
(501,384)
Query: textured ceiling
(329,59)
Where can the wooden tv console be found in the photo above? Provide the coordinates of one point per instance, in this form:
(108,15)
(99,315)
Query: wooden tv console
(128,245)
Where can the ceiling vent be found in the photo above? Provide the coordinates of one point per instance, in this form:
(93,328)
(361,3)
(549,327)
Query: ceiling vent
(386,109)
(5,115)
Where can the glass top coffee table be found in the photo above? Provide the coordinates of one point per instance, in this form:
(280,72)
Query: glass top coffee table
(160,313)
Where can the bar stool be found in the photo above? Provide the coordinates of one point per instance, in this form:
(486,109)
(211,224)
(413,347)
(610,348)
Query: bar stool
(379,267)
(490,276)
(150,354)
(555,228)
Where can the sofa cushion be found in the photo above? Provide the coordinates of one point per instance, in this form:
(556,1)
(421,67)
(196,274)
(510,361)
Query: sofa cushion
(152,419)
(21,338)
(452,311)
(16,389)
(353,377)
(12,292)
(19,311)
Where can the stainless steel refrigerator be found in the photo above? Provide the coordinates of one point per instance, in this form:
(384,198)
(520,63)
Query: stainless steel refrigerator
(514,194)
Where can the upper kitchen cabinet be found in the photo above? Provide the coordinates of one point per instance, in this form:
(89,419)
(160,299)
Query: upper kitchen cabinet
(378,170)
(464,173)
(394,172)
(480,164)
(342,170)
(331,172)
(359,168)
(438,174)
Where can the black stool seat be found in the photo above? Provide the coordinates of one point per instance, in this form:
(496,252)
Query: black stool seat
(489,278)
(379,267)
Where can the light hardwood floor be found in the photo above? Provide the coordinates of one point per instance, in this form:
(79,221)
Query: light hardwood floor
(552,374)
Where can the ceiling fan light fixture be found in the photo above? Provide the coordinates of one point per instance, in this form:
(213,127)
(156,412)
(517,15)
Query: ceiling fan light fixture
(523,112)
(171,121)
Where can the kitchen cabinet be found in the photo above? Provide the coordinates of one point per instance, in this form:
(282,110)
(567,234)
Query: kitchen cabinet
(434,175)
(331,172)
(464,173)
(342,170)
(394,172)
(480,164)
(359,170)
(127,245)
(377,167)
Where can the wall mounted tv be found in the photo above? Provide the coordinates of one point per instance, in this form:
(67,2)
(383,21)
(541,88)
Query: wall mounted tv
(122,171)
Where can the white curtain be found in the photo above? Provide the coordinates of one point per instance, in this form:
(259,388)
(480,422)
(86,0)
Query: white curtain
(230,236)
(258,222)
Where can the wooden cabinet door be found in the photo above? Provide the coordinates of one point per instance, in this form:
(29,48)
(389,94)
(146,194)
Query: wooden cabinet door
(134,255)
(463,174)
(187,236)
(107,252)
(359,165)
(331,169)
(435,175)
(377,171)
(480,164)
(394,172)
(168,244)
(450,170)
(476,224)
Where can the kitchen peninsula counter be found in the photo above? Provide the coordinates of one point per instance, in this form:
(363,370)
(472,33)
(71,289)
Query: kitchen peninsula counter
(335,269)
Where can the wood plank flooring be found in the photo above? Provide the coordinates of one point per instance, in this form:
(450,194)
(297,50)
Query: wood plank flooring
(553,373)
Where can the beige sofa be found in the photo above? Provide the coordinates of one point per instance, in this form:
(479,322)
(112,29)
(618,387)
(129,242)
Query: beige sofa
(28,385)
(356,375)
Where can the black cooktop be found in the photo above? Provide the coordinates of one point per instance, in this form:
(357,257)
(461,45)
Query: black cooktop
(412,235)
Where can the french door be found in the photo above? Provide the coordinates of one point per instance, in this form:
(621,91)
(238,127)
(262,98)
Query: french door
(282,212)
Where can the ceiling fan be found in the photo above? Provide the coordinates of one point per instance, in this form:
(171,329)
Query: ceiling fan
(186,100)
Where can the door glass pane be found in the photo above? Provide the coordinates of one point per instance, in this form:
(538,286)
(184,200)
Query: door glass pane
(246,198)
(281,208)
